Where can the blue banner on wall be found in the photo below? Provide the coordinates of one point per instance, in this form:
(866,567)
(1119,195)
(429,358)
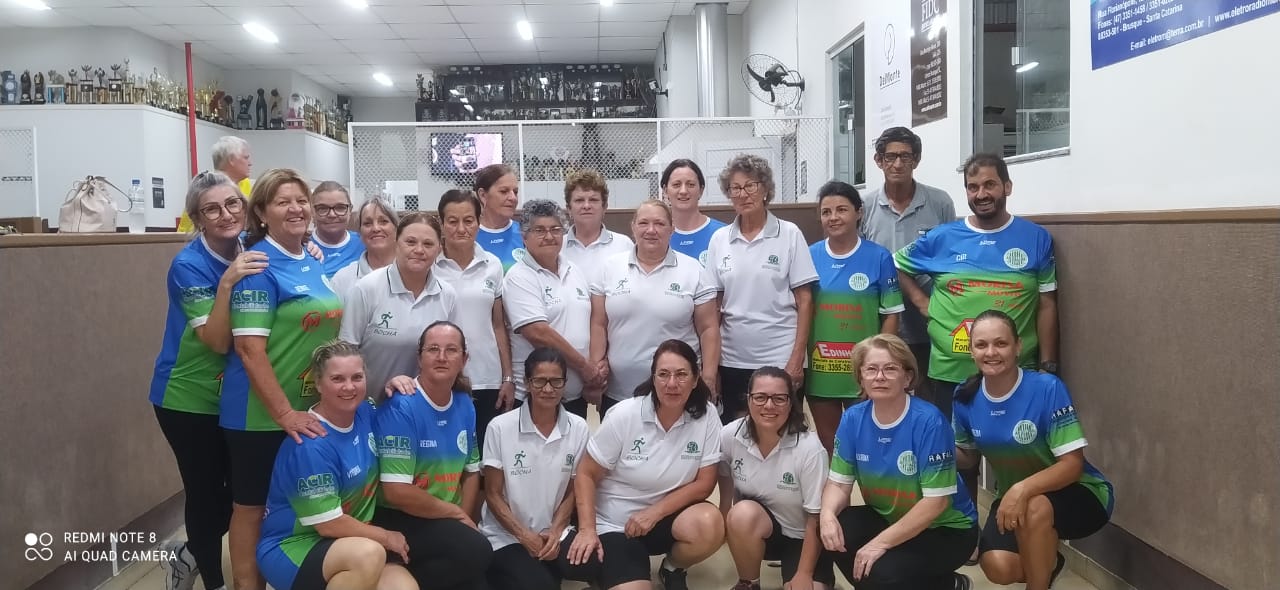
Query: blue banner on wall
(1123,29)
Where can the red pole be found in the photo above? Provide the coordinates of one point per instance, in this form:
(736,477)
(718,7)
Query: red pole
(191,111)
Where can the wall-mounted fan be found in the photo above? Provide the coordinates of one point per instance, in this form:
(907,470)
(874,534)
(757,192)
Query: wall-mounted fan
(771,82)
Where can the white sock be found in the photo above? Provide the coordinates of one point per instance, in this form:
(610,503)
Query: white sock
(666,565)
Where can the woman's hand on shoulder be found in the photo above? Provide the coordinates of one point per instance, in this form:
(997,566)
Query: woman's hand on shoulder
(247,263)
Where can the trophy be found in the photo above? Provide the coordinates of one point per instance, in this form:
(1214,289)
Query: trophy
(294,120)
(126,86)
(260,109)
(8,88)
(101,87)
(56,91)
(224,110)
(37,91)
(422,92)
(115,86)
(72,89)
(24,97)
(244,120)
(86,86)
(277,116)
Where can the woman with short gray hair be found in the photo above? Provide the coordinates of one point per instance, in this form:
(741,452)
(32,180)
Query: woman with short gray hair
(548,303)
(762,268)
(378,223)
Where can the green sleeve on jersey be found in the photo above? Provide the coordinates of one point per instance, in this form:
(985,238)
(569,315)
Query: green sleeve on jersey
(473,455)
(960,425)
(842,460)
(316,490)
(395,433)
(253,304)
(912,258)
(195,296)
(890,293)
(1048,274)
(1065,431)
(939,472)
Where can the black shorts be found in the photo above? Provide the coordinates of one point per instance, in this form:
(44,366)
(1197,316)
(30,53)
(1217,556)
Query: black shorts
(626,559)
(253,457)
(1077,513)
(311,572)
(787,550)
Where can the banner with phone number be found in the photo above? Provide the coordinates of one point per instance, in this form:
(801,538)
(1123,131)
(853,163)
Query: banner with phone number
(1123,29)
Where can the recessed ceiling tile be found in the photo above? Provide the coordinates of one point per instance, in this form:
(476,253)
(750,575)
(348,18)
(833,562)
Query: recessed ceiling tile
(449,58)
(328,59)
(506,30)
(117,16)
(568,44)
(427,30)
(508,13)
(376,45)
(300,33)
(483,44)
(541,13)
(161,32)
(272,16)
(391,59)
(23,17)
(215,32)
(629,43)
(637,12)
(500,58)
(439,44)
(363,31)
(568,57)
(542,30)
(633,29)
(335,13)
(188,15)
(627,57)
(413,14)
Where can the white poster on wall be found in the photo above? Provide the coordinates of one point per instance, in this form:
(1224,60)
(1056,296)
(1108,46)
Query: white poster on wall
(888,41)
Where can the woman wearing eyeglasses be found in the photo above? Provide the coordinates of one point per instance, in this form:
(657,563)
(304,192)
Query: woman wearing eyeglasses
(530,458)
(547,303)
(387,310)
(646,295)
(332,208)
(184,385)
(772,473)
(918,525)
(429,464)
(762,268)
(642,488)
(1026,425)
(378,234)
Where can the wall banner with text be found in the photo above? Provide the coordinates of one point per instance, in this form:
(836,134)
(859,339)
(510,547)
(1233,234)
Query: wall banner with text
(1123,29)
(928,61)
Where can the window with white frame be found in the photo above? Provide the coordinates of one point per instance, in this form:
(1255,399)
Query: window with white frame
(1023,76)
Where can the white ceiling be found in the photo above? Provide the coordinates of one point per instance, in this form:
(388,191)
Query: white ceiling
(340,46)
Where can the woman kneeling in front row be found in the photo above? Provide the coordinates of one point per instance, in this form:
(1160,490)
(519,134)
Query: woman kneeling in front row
(918,524)
(772,472)
(316,533)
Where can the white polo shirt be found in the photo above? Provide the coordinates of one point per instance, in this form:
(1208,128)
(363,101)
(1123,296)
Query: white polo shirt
(645,309)
(788,482)
(478,286)
(758,309)
(383,317)
(531,294)
(344,279)
(645,462)
(591,258)
(536,469)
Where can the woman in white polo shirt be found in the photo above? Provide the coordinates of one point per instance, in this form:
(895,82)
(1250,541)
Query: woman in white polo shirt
(530,457)
(642,487)
(387,310)
(476,275)
(547,303)
(646,295)
(378,234)
(762,268)
(772,473)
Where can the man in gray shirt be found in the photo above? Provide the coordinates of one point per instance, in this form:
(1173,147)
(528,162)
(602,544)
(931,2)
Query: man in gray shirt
(901,210)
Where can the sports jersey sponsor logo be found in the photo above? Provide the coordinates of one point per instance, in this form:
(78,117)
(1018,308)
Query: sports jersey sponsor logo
(674,290)
(907,463)
(691,451)
(726,263)
(939,458)
(987,243)
(859,282)
(301,289)
(395,447)
(773,259)
(518,254)
(549,296)
(959,287)
(788,482)
(621,287)
(196,294)
(354,471)
(686,242)
(962,257)
(581,294)
(489,286)
(314,486)
(772,263)
(518,467)
(1063,412)
(960,337)
(702,258)
(462,441)
(637,451)
(427,444)
(977,432)
(837,266)
(831,357)
(1024,431)
(568,463)
(861,457)
(305,269)
(884,440)
(250,300)
(1016,258)
(384,327)
(373,442)
(313,318)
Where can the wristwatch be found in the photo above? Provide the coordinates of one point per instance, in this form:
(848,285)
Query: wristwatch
(508,379)
(1049,367)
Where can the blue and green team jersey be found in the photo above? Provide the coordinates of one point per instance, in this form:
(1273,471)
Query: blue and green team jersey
(507,244)
(976,270)
(896,466)
(187,373)
(694,244)
(1025,432)
(291,304)
(335,259)
(316,481)
(851,293)
(428,447)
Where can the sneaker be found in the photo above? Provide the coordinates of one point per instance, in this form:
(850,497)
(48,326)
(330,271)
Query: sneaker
(962,582)
(746,585)
(676,579)
(773,563)
(1057,569)
(180,572)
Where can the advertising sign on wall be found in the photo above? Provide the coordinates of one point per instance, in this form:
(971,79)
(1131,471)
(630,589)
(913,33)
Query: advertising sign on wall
(928,61)
(1123,29)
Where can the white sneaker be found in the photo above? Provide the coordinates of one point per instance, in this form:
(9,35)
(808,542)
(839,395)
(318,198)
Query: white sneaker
(180,572)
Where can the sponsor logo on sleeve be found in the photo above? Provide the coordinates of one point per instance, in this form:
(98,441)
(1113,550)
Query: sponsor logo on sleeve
(318,485)
(462,441)
(196,294)
(395,447)
(251,300)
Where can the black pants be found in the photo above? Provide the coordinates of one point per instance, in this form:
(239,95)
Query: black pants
(484,400)
(733,392)
(514,569)
(920,351)
(444,554)
(925,562)
(941,394)
(205,467)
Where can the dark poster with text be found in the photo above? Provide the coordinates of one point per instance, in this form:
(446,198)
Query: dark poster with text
(928,61)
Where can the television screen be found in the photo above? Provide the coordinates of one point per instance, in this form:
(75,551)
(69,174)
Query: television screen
(464,153)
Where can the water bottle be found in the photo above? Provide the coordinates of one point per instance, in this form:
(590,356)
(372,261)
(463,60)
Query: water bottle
(137,208)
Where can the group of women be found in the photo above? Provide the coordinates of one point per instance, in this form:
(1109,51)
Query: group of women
(276,335)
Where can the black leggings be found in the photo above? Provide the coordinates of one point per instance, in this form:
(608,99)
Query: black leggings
(514,569)
(925,562)
(205,467)
(485,412)
(444,554)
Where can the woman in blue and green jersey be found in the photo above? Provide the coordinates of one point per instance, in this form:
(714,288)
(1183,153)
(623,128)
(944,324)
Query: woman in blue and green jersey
(317,532)
(1025,424)
(682,185)
(429,463)
(856,297)
(184,387)
(277,319)
(918,524)
(498,189)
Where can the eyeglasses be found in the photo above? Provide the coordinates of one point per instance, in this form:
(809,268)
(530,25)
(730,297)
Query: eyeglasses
(889,371)
(747,189)
(339,210)
(541,383)
(213,211)
(541,231)
(778,399)
(891,157)
(680,376)
(448,351)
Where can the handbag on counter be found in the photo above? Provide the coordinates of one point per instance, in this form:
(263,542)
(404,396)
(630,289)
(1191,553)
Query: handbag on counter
(89,207)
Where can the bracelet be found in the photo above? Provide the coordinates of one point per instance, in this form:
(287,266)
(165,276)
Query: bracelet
(508,379)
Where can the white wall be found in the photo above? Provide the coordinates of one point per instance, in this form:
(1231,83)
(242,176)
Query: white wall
(382,109)
(680,78)
(61,49)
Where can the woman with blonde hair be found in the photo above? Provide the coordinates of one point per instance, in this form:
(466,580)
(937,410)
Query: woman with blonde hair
(378,234)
